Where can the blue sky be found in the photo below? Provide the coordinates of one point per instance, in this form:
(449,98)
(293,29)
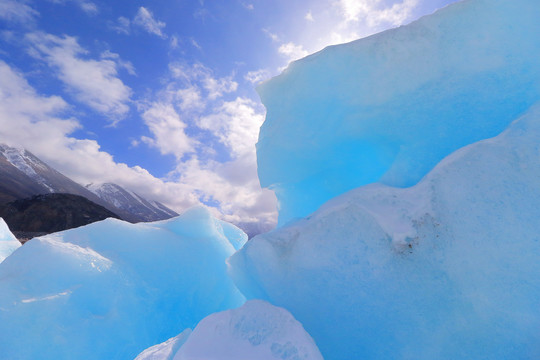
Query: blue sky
(159,96)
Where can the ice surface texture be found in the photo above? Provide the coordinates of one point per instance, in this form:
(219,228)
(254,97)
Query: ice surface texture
(447,269)
(8,241)
(389,107)
(166,350)
(111,289)
(256,331)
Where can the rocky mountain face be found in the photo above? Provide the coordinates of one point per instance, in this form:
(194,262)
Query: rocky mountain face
(131,202)
(47,213)
(23,175)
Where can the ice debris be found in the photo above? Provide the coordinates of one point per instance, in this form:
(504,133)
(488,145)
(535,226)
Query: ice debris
(8,241)
(111,289)
(257,330)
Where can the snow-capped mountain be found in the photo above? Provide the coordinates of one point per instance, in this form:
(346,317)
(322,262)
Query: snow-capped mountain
(131,202)
(22,175)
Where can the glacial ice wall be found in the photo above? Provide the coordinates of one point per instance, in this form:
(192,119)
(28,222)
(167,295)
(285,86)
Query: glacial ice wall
(389,107)
(8,241)
(110,289)
(446,269)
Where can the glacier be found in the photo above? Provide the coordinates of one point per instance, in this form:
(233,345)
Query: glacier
(406,166)
(389,107)
(446,269)
(407,169)
(8,241)
(111,289)
(257,330)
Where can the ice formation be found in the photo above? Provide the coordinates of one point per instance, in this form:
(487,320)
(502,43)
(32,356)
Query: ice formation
(389,107)
(433,255)
(111,289)
(8,242)
(165,350)
(257,330)
(447,269)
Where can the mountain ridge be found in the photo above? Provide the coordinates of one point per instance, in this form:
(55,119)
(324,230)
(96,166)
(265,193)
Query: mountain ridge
(23,175)
(131,202)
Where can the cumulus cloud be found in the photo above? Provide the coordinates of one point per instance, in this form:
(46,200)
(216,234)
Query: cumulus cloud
(126,65)
(374,12)
(195,98)
(93,82)
(309,16)
(146,20)
(89,7)
(235,186)
(39,124)
(168,130)
(202,77)
(257,76)
(236,124)
(292,51)
(16,11)
(217,87)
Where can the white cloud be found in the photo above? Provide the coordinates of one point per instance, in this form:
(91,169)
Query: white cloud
(189,99)
(215,87)
(353,9)
(374,12)
(122,26)
(292,51)
(195,44)
(345,21)
(236,124)
(235,186)
(126,65)
(89,7)
(168,130)
(145,19)
(398,13)
(93,82)
(173,44)
(196,96)
(257,76)
(17,11)
(271,35)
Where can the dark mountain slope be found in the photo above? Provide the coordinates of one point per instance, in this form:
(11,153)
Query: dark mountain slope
(52,212)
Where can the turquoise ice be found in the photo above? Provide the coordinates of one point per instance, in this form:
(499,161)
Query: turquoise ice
(389,107)
(111,289)
(446,269)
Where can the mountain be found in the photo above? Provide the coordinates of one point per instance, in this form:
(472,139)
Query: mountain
(23,175)
(49,213)
(131,202)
